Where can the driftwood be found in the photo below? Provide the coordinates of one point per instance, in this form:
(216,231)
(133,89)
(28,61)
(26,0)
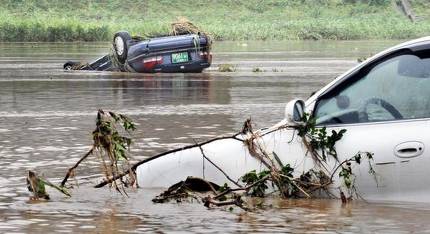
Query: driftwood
(237,201)
(198,188)
(187,188)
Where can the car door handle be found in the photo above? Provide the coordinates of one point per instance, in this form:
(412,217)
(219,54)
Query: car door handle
(409,149)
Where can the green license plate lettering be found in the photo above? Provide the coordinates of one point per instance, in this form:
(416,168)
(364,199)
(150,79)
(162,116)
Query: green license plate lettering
(180,57)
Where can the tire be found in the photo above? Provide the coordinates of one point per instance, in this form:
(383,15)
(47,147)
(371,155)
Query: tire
(70,65)
(120,40)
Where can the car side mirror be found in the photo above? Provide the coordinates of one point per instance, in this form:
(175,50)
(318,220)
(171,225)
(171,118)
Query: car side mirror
(294,112)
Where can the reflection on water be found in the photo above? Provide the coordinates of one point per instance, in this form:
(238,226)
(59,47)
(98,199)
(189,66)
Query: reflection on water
(110,213)
(46,117)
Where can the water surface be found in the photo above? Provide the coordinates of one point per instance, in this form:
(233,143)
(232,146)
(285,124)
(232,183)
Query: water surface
(47,115)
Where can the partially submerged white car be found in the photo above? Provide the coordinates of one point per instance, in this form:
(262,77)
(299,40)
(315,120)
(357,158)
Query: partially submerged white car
(383,103)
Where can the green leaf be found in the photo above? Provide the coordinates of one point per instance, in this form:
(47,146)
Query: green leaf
(252,177)
(61,189)
(114,116)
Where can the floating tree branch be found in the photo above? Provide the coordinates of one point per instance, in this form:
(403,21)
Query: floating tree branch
(316,140)
(110,145)
(112,149)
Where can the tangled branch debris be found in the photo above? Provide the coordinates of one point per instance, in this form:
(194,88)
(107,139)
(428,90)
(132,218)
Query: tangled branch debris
(320,145)
(112,149)
(183,26)
(187,189)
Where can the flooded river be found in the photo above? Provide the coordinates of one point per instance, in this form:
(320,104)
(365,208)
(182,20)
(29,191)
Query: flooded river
(47,115)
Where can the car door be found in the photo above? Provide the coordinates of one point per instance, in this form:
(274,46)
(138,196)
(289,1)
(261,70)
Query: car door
(385,108)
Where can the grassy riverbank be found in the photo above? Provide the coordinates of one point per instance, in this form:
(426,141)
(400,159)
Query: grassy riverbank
(55,20)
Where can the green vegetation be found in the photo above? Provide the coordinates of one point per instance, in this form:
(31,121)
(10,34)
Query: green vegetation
(95,20)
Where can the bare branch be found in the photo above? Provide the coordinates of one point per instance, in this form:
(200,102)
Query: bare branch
(223,172)
(70,171)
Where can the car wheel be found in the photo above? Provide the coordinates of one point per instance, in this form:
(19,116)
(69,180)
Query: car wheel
(70,65)
(120,40)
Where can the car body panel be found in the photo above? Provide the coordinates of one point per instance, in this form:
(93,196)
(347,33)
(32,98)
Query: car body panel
(230,155)
(162,50)
(155,55)
(397,179)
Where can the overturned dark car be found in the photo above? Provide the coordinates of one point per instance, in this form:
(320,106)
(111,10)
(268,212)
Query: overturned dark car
(181,53)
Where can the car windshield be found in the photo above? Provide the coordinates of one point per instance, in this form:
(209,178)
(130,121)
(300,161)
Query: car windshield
(397,88)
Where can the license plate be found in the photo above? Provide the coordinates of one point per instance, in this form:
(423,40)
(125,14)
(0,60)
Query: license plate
(180,57)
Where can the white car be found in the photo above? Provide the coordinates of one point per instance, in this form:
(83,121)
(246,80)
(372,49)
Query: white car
(383,103)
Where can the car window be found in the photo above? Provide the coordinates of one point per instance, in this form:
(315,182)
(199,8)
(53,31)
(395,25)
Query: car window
(398,88)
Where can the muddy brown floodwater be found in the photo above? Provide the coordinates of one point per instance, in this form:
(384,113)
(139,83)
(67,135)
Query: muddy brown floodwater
(46,116)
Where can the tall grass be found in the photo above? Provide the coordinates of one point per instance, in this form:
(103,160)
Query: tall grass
(63,31)
(91,20)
